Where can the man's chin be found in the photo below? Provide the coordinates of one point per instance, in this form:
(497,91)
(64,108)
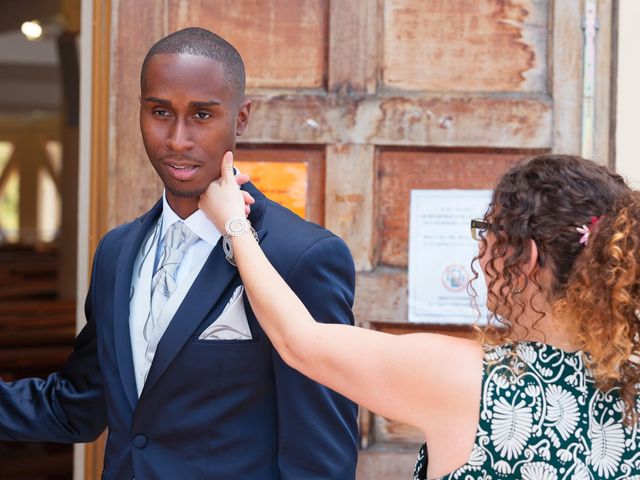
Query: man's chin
(186,193)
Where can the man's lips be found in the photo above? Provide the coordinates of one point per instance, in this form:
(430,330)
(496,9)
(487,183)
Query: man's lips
(182,171)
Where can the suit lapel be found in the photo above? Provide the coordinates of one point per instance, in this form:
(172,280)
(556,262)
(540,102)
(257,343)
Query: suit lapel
(204,295)
(122,294)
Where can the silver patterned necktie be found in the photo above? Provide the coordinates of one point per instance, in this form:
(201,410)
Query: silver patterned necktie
(163,284)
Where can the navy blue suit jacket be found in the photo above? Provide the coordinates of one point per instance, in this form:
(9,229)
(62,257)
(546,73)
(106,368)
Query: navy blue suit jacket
(222,409)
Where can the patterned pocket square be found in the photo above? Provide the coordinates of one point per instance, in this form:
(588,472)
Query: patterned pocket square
(232,323)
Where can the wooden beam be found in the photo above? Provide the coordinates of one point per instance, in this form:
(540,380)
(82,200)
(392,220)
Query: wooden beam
(387,461)
(566,75)
(127,156)
(604,135)
(7,170)
(71,11)
(388,312)
(349,199)
(353,46)
(99,172)
(372,306)
(500,121)
(27,155)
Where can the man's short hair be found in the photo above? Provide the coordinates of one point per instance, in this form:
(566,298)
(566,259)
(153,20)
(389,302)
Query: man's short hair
(202,42)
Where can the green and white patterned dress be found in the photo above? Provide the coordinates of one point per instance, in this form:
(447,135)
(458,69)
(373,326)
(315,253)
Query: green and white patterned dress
(542,418)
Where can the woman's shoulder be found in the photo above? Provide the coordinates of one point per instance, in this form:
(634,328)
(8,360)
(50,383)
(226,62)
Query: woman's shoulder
(532,354)
(528,363)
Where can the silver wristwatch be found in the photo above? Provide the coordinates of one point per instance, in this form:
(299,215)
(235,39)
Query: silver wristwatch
(235,227)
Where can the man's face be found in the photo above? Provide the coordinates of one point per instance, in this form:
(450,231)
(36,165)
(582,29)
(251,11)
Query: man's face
(189,117)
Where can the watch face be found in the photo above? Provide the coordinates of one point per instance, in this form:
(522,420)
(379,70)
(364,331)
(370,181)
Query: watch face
(236,226)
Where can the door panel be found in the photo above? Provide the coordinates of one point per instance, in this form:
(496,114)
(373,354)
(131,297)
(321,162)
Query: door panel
(364,100)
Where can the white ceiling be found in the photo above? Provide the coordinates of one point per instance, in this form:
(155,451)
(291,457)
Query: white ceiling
(15,48)
(29,77)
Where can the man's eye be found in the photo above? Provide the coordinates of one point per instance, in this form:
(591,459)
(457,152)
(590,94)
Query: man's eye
(203,115)
(160,113)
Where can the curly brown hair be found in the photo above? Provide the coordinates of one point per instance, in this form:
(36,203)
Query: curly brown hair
(545,199)
(603,300)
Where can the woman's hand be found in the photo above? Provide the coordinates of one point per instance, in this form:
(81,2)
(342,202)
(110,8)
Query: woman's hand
(224,199)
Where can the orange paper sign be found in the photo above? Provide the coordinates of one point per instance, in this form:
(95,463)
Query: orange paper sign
(282,182)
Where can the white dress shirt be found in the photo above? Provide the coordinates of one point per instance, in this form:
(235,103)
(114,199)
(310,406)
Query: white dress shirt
(194,258)
(199,224)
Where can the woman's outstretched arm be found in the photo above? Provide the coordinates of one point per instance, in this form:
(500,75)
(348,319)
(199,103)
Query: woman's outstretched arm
(409,378)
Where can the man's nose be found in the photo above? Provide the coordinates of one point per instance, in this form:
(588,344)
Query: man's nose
(179,140)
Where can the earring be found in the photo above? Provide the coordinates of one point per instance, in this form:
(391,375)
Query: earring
(517,290)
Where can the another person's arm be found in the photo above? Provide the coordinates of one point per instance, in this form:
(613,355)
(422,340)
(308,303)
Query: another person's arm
(317,427)
(409,378)
(68,406)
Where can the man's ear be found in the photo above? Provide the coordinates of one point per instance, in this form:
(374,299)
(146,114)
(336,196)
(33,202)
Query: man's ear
(243,117)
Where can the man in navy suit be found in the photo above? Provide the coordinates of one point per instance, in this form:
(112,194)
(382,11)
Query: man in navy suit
(209,398)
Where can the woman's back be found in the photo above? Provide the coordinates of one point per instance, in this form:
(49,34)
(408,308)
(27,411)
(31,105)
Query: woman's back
(542,417)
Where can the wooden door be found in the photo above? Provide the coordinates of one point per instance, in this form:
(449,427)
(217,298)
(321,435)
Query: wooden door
(368,99)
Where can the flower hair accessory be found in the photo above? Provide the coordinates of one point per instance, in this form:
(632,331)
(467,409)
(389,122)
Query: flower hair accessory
(586,230)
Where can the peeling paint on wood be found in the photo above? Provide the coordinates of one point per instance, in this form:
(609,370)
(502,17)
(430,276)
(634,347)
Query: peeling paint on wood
(282,43)
(465,45)
(434,120)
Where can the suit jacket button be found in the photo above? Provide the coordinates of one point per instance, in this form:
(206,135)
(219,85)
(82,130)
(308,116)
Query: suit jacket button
(140,441)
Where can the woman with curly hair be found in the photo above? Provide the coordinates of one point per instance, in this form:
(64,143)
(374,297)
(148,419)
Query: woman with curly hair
(548,390)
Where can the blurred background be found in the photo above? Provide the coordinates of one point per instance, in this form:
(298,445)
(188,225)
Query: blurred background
(356,103)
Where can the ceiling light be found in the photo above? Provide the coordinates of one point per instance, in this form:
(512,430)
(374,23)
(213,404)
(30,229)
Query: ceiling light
(32,30)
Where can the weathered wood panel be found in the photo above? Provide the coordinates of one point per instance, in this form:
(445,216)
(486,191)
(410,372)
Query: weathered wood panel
(566,79)
(101,185)
(388,462)
(465,45)
(402,171)
(350,210)
(385,430)
(457,121)
(283,43)
(314,159)
(370,306)
(135,186)
(604,137)
(353,46)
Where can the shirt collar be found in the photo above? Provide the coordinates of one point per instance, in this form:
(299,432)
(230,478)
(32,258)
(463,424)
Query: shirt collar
(197,222)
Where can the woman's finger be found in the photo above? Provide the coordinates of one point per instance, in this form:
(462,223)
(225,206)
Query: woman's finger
(242,178)
(226,170)
(248,199)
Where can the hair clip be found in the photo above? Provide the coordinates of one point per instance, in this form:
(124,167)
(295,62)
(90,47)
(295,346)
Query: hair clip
(586,230)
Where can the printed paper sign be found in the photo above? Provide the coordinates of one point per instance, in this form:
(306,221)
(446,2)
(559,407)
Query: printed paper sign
(440,253)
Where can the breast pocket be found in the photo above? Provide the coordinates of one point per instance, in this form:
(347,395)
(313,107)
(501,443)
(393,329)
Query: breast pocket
(231,325)
(240,363)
